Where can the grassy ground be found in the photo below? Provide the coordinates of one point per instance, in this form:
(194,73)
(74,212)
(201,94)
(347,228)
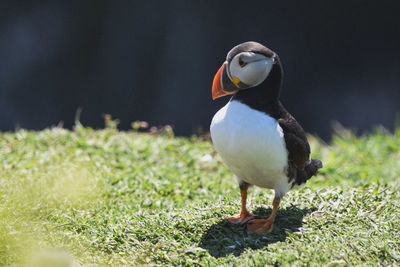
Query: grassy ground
(110,198)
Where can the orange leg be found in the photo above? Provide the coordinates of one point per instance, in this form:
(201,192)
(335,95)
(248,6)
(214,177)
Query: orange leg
(262,226)
(244,215)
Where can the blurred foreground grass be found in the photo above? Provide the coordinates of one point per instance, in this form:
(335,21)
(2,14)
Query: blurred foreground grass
(111,198)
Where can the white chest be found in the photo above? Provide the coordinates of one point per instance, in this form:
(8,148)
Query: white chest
(251,144)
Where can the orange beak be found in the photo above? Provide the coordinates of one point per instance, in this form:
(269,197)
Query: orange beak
(217,87)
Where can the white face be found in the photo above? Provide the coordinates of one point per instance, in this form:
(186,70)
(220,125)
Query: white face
(250,68)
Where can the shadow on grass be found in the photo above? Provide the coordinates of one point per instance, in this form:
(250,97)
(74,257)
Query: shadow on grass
(224,238)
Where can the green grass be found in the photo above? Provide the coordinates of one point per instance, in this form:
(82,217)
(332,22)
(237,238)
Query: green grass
(112,198)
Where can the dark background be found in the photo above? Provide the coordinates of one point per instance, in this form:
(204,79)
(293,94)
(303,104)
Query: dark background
(155,60)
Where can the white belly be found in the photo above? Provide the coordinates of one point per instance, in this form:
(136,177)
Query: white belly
(252,145)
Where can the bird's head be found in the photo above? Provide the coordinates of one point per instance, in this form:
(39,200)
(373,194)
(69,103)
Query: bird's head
(247,65)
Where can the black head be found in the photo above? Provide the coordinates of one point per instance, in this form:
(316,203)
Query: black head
(247,65)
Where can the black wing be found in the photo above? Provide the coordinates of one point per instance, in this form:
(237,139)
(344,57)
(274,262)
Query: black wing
(296,141)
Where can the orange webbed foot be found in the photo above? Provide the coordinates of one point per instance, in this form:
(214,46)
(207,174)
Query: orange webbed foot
(241,218)
(260,226)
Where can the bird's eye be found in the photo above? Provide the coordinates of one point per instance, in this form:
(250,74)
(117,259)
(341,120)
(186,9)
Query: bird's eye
(241,62)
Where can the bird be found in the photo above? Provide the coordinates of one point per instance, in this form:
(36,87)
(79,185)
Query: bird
(255,136)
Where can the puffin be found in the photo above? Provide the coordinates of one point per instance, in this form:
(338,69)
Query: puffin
(255,136)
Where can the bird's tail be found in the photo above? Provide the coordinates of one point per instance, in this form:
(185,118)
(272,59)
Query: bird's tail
(312,167)
(310,170)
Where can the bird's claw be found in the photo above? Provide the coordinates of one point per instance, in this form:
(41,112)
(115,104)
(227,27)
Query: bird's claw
(241,218)
(260,226)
